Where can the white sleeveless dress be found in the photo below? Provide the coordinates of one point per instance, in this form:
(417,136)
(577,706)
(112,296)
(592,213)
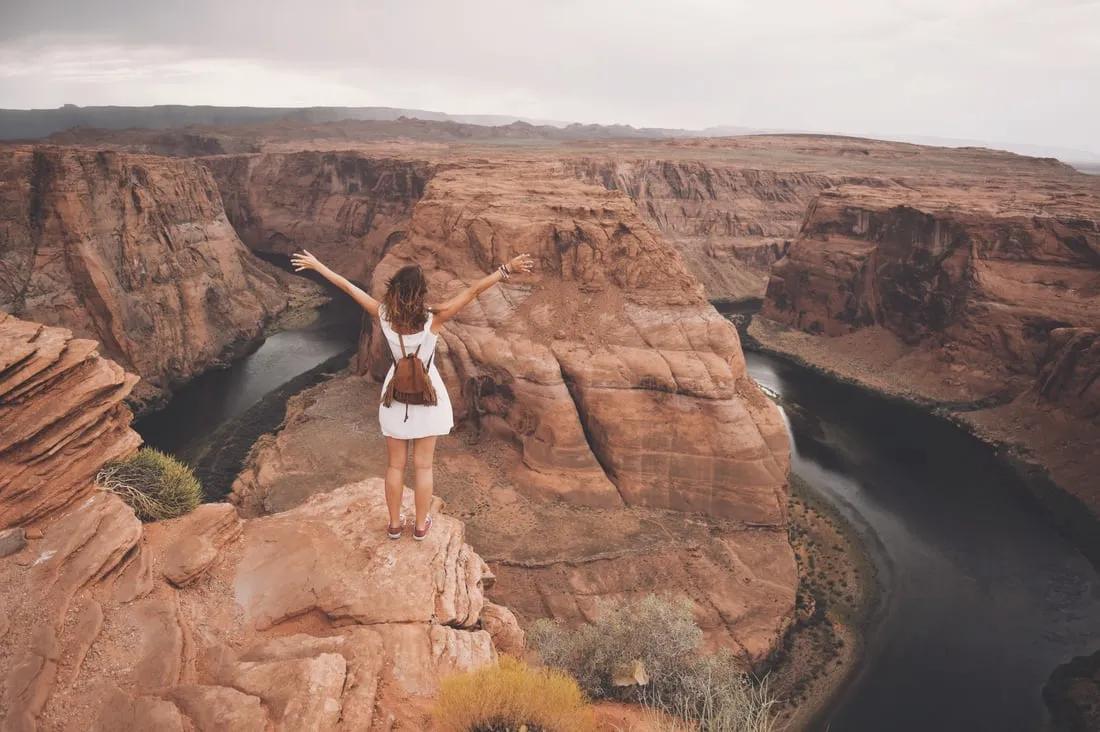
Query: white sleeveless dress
(423,420)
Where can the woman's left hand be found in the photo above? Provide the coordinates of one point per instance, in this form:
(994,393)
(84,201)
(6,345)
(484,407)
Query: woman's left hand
(521,264)
(303,260)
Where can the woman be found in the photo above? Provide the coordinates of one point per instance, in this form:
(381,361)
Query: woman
(412,327)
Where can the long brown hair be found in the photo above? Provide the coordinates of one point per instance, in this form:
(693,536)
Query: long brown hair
(403,304)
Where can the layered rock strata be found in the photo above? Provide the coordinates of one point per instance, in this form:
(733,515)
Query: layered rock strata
(347,208)
(982,300)
(61,417)
(730,222)
(134,251)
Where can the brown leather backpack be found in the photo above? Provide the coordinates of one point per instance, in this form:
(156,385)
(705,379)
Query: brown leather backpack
(410,383)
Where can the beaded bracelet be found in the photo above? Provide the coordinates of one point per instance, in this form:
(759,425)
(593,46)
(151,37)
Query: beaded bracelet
(504,272)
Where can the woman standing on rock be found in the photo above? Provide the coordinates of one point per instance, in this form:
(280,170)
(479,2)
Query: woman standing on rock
(415,407)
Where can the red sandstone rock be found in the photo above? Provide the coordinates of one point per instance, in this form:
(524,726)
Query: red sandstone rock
(312,619)
(346,208)
(135,252)
(730,222)
(588,366)
(61,417)
(503,628)
(206,530)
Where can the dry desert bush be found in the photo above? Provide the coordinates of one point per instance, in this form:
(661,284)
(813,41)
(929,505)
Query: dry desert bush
(512,696)
(155,485)
(647,651)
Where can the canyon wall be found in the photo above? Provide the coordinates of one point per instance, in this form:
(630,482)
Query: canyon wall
(730,222)
(347,208)
(980,299)
(989,278)
(613,374)
(312,619)
(133,251)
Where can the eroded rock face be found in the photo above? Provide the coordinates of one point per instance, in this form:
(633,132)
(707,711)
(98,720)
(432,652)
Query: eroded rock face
(1070,373)
(134,251)
(730,222)
(311,619)
(62,416)
(988,276)
(345,207)
(612,372)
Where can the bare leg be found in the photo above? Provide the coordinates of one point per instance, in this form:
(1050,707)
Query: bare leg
(423,457)
(397,455)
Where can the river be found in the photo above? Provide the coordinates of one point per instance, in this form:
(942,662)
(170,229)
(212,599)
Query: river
(213,421)
(982,596)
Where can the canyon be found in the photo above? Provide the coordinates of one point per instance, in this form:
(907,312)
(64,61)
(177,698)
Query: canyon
(135,252)
(610,441)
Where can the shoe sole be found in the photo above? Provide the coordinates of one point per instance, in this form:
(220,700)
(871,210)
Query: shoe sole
(427,530)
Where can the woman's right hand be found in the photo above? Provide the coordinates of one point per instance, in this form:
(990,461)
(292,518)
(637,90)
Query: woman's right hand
(303,260)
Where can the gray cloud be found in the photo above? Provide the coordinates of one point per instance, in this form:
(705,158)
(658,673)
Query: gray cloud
(1001,70)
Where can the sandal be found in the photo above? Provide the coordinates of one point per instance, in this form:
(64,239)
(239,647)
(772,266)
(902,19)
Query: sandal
(395,533)
(420,536)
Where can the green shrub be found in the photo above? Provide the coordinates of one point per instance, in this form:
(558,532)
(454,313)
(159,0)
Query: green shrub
(155,485)
(661,639)
(512,696)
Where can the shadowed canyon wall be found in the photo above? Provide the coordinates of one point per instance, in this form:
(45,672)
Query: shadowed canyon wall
(133,251)
(990,279)
(980,299)
(347,208)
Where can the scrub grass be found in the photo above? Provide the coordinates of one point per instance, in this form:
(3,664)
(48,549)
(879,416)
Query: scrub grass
(155,485)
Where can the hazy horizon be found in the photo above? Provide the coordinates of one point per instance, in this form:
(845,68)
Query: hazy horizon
(999,72)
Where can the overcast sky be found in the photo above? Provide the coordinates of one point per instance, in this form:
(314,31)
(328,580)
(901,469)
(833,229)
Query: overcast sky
(1023,71)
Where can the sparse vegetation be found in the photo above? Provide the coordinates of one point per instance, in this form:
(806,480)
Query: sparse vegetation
(658,641)
(155,485)
(510,697)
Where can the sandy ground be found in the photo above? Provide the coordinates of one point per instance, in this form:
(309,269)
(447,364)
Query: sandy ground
(837,596)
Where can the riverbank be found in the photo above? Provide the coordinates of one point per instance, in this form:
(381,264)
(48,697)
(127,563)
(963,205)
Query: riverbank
(1054,454)
(839,590)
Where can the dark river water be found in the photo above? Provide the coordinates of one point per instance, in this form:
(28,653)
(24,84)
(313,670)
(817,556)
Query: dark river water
(213,421)
(982,597)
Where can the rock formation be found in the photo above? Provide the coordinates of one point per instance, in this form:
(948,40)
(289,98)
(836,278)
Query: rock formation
(982,299)
(588,366)
(607,382)
(135,252)
(309,619)
(61,417)
(730,222)
(347,208)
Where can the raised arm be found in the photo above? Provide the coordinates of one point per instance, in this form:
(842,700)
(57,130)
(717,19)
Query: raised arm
(441,314)
(304,260)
